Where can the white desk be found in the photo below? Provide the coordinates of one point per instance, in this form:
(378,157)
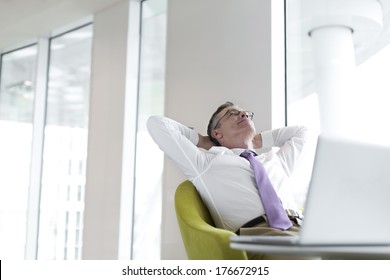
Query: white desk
(325,252)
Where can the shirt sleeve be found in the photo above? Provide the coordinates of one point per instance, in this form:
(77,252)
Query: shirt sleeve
(178,142)
(291,141)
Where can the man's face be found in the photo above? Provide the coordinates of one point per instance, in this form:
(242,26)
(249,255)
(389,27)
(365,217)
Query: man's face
(235,127)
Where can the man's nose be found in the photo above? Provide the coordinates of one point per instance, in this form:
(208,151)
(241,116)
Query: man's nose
(244,114)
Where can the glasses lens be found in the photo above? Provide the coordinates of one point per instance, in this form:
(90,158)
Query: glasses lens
(233,113)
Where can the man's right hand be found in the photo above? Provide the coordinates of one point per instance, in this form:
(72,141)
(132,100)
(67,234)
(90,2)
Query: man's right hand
(204,142)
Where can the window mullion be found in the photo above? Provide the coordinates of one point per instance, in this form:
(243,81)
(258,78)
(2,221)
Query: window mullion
(37,149)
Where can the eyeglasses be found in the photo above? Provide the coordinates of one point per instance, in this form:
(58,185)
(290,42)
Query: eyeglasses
(234,112)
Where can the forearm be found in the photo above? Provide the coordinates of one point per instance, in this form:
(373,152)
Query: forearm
(279,137)
(179,144)
(291,142)
(290,133)
(168,134)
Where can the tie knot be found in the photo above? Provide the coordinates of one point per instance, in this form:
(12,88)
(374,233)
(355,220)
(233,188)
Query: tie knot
(248,153)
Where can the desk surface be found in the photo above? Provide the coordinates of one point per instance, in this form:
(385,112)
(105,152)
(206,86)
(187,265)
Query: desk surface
(326,251)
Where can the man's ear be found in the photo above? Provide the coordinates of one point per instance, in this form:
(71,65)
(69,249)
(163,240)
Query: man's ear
(217,135)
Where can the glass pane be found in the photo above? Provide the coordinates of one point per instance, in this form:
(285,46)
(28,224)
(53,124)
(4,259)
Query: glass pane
(371,98)
(148,188)
(16,115)
(65,146)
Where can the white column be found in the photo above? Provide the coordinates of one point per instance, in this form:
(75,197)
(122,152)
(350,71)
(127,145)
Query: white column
(112,119)
(334,28)
(334,60)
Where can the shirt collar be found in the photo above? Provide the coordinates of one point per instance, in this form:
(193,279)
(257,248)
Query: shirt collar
(235,151)
(238,151)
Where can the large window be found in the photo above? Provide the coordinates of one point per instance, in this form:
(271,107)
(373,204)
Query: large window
(148,184)
(364,108)
(65,146)
(18,70)
(43,144)
(364,113)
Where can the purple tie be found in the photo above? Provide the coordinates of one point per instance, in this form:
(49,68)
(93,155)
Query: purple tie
(276,215)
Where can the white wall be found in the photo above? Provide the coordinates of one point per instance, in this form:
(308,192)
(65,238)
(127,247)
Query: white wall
(219,50)
(109,162)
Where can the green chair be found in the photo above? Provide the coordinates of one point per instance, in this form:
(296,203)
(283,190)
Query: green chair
(202,240)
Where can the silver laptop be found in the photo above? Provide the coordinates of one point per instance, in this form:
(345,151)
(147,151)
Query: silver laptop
(348,200)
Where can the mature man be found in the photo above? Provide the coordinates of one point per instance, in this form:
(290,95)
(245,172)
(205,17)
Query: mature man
(223,177)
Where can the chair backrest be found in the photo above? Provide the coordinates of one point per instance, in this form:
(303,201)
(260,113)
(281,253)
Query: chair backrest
(202,240)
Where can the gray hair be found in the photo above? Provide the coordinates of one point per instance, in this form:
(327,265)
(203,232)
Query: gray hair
(213,120)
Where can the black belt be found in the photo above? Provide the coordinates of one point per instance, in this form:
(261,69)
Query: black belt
(255,221)
(292,214)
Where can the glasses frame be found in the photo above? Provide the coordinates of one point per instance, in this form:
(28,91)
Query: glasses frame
(234,112)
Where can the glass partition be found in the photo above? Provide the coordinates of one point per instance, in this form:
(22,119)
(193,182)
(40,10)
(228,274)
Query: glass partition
(18,70)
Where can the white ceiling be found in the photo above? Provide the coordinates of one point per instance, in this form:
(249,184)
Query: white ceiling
(22,20)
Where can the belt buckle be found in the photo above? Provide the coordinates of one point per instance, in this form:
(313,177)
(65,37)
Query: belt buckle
(294,214)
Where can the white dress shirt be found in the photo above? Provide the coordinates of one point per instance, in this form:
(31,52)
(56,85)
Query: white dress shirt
(224,180)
